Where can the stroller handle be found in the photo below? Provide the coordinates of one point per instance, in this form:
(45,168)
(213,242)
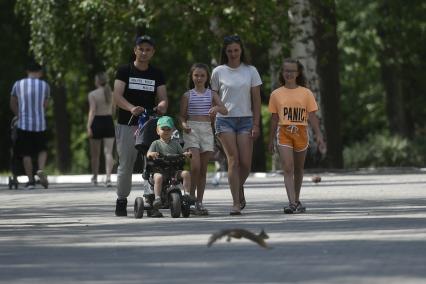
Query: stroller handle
(147,112)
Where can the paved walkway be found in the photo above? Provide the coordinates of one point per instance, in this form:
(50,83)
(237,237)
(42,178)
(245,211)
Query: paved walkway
(359,228)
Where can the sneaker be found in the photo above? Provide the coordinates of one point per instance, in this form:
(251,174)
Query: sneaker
(193,210)
(108,183)
(198,209)
(157,203)
(94,180)
(290,209)
(155,213)
(121,207)
(234,213)
(216,179)
(203,211)
(43,178)
(299,207)
(191,199)
(30,185)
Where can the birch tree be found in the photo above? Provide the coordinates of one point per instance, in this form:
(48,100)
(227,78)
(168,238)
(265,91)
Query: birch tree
(303,49)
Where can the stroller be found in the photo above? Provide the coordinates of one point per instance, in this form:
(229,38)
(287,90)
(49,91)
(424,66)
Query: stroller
(16,166)
(171,195)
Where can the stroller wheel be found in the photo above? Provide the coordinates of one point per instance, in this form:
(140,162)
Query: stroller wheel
(175,205)
(139,207)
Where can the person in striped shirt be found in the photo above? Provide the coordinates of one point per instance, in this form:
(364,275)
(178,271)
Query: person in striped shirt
(198,108)
(28,101)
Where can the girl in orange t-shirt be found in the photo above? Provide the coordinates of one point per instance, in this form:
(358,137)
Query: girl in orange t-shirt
(292,106)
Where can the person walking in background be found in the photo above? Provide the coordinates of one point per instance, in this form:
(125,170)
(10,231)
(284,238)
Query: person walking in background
(220,164)
(292,106)
(138,86)
(238,85)
(100,127)
(28,101)
(198,106)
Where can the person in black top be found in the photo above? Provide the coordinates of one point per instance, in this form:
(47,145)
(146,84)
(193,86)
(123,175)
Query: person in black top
(138,86)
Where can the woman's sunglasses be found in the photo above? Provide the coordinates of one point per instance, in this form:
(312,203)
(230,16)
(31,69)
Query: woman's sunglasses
(231,38)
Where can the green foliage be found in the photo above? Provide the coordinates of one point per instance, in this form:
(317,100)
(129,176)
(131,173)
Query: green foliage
(60,31)
(380,150)
(362,91)
(361,44)
(14,51)
(74,38)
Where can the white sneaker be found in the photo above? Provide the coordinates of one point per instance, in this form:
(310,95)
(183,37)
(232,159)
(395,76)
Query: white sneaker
(94,181)
(216,179)
(108,183)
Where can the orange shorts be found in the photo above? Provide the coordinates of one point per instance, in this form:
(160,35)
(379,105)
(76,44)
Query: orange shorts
(293,136)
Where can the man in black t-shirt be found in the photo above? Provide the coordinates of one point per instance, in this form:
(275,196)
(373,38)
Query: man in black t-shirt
(137,86)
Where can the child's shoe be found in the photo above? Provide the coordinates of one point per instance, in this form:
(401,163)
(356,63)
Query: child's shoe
(157,203)
(299,207)
(290,209)
(155,213)
(198,209)
(203,211)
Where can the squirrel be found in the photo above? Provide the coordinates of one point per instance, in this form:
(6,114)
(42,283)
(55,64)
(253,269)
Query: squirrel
(238,234)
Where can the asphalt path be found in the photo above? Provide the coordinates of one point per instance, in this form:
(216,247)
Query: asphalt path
(358,228)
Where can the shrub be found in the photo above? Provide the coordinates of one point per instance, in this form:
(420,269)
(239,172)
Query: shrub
(384,150)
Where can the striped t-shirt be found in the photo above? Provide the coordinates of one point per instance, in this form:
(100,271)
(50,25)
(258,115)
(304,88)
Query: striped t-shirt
(199,104)
(31,94)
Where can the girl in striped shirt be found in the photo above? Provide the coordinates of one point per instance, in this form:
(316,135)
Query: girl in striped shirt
(198,108)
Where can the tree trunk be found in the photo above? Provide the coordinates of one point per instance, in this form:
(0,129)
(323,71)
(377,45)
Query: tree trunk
(325,40)
(397,113)
(303,49)
(259,153)
(62,128)
(395,101)
(273,53)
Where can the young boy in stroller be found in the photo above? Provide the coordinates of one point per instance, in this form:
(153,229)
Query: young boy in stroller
(163,170)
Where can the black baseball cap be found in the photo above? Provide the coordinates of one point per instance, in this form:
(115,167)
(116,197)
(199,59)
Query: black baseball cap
(145,38)
(33,66)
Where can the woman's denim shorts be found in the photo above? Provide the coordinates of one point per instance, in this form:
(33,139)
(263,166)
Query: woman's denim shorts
(238,125)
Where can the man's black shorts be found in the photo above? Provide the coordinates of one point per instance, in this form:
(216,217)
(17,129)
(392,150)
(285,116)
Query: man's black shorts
(29,143)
